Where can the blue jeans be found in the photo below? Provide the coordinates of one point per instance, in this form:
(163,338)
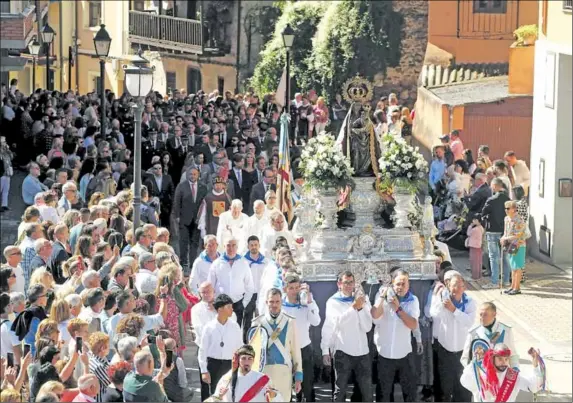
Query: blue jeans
(494,250)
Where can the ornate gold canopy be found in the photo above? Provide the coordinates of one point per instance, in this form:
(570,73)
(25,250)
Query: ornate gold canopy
(358,89)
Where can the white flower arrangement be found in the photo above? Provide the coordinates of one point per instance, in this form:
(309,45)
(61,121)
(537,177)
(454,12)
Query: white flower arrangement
(323,165)
(401,164)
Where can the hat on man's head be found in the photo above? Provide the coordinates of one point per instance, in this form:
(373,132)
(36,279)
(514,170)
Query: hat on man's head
(205,129)
(219,179)
(151,131)
(221,301)
(445,137)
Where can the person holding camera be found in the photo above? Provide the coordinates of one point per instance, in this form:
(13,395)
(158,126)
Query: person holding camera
(395,315)
(347,321)
(299,304)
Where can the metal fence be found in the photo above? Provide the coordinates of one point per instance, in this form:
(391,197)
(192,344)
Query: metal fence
(165,32)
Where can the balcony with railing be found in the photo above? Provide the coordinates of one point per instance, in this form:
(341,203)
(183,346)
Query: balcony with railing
(567,5)
(162,31)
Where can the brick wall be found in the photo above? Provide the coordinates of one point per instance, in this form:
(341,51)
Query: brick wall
(17,27)
(403,79)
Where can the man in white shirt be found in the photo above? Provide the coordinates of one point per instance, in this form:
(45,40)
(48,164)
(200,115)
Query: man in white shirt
(220,339)
(230,274)
(395,315)
(202,265)
(146,277)
(306,314)
(456,312)
(258,221)
(13,256)
(519,170)
(277,227)
(347,321)
(257,263)
(233,223)
(9,342)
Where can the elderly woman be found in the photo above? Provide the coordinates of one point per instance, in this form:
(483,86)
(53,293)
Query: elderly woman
(98,363)
(513,243)
(177,304)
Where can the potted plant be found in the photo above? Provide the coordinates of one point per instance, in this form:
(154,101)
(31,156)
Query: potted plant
(526,35)
(403,170)
(325,171)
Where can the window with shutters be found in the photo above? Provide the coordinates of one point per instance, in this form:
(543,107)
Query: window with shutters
(94,13)
(490,6)
(171,78)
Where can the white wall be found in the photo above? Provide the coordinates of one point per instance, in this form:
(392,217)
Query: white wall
(551,141)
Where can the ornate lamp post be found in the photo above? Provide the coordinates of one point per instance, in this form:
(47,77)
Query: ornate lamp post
(138,81)
(34,48)
(102,42)
(288,39)
(48,37)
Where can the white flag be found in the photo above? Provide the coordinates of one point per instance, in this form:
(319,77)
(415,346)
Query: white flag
(281,90)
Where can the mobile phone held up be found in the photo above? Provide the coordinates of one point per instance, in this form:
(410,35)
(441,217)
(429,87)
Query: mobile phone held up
(27,349)
(151,339)
(169,359)
(10,360)
(79,344)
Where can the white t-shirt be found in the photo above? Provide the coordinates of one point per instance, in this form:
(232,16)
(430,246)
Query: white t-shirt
(8,338)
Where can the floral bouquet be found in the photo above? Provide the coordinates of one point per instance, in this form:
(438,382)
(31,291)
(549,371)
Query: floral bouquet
(402,165)
(323,165)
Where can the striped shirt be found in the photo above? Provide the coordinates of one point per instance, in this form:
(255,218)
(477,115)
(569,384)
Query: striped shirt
(98,367)
(29,254)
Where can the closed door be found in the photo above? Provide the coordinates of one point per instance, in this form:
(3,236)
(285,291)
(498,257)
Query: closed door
(193,80)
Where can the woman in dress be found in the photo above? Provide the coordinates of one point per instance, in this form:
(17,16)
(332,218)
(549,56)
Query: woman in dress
(513,242)
(170,274)
(523,211)
(321,116)
(406,122)
(166,162)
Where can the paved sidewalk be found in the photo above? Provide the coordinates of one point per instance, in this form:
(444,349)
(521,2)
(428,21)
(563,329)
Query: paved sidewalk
(541,317)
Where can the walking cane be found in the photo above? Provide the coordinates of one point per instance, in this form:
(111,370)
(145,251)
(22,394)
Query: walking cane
(501,272)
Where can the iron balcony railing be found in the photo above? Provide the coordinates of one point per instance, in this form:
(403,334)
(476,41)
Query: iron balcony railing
(567,4)
(166,32)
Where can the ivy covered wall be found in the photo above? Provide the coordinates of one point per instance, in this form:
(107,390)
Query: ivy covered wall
(384,41)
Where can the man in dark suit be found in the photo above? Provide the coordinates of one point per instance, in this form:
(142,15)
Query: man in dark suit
(60,253)
(241,180)
(477,199)
(161,186)
(151,148)
(261,188)
(188,197)
(175,148)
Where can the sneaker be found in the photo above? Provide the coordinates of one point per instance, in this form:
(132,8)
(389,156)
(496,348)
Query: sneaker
(508,291)
(514,292)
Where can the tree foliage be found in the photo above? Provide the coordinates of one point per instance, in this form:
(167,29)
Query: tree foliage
(334,41)
(303,16)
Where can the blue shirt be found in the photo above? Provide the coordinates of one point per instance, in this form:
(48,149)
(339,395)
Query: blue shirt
(437,171)
(30,188)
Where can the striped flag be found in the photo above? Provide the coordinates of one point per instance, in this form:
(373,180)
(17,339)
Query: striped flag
(284,176)
(281,90)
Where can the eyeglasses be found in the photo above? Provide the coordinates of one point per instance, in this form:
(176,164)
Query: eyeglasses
(12,275)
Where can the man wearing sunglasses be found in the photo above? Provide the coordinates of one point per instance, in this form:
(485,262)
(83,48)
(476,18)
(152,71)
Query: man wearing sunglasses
(13,257)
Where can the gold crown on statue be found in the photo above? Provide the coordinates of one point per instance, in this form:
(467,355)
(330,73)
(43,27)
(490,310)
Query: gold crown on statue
(358,89)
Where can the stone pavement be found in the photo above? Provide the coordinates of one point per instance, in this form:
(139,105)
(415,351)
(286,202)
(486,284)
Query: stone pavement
(541,317)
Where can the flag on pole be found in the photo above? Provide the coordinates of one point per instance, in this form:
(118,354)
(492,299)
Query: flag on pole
(284,177)
(281,90)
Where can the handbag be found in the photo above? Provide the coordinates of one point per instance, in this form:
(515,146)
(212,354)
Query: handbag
(510,248)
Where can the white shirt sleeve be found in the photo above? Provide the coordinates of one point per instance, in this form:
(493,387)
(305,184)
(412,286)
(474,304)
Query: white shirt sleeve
(153,321)
(182,373)
(249,287)
(202,355)
(313,314)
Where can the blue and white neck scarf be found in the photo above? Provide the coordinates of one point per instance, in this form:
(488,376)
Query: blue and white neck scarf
(226,257)
(462,304)
(291,305)
(257,261)
(342,298)
(406,298)
(204,256)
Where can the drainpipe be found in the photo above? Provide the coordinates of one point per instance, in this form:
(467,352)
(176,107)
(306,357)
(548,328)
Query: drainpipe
(60,21)
(238,46)
(77,61)
(451,119)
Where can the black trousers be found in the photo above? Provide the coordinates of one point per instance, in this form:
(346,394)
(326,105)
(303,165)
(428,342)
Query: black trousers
(216,368)
(307,375)
(189,236)
(249,313)
(239,310)
(387,369)
(437,387)
(344,366)
(450,369)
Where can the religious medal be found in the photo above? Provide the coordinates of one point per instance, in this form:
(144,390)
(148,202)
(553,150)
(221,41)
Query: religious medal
(276,333)
(221,344)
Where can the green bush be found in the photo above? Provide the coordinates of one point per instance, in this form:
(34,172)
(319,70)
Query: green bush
(304,17)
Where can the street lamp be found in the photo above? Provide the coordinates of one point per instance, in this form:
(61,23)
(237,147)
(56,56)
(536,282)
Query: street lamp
(34,48)
(288,39)
(138,81)
(102,43)
(47,37)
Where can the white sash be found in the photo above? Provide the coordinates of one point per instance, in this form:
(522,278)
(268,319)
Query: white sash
(283,321)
